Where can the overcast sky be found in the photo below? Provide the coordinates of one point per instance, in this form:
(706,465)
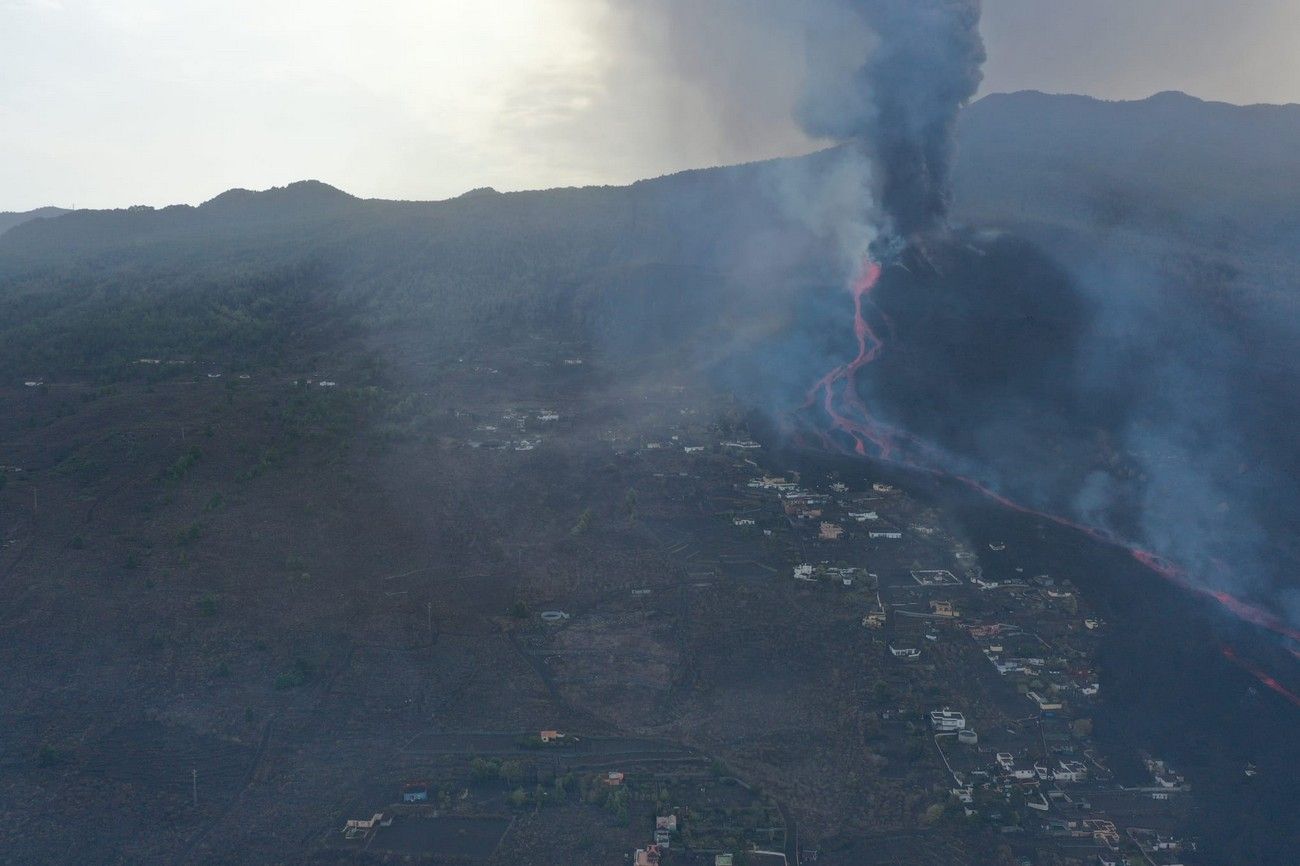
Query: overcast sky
(107,103)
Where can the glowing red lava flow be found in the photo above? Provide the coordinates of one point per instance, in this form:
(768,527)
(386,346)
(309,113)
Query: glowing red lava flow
(838,396)
(1231,655)
(824,392)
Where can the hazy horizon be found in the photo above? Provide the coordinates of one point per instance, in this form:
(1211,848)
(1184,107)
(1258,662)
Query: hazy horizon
(111,104)
(203,198)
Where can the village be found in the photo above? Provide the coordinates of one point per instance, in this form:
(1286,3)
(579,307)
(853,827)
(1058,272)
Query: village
(645,635)
(980,676)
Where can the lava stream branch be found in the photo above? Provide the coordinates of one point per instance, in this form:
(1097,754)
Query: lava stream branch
(850,428)
(1269,682)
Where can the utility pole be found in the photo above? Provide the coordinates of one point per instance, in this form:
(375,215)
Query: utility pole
(194,786)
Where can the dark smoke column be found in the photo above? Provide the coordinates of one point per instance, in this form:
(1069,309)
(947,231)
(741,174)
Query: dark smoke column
(907,94)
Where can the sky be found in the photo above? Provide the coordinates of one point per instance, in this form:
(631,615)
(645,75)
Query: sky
(109,103)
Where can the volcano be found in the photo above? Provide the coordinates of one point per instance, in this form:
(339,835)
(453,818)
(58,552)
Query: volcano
(971,365)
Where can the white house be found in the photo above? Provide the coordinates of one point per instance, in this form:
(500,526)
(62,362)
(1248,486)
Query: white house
(947,721)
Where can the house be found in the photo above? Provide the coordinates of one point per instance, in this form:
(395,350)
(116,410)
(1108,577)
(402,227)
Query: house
(831,532)
(1006,760)
(1070,771)
(724,860)
(892,534)
(613,778)
(356,827)
(743,521)
(1103,832)
(1164,775)
(647,856)
(366,823)
(550,736)
(947,721)
(1058,826)
(1168,780)
(875,619)
(663,839)
(1046,705)
(415,792)
(666,822)
(935,577)
(904,652)
(944,609)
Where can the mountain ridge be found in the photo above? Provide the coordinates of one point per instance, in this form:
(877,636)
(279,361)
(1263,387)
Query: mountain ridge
(9,219)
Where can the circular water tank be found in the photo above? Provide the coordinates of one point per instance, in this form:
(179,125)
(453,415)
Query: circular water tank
(554,616)
(968,737)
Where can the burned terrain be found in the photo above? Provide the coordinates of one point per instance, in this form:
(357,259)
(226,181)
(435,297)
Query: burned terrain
(339,531)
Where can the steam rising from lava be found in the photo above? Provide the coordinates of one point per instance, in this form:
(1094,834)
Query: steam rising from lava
(887,80)
(842,422)
(901,105)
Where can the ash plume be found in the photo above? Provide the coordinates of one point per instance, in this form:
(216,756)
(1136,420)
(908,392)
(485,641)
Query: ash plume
(925,66)
(886,78)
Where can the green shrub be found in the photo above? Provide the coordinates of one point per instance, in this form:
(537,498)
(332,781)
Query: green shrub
(183,464)
(301,672)
(50,756)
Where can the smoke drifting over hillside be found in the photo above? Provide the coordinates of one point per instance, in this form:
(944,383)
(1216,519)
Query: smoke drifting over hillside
(887,75)
(991,368)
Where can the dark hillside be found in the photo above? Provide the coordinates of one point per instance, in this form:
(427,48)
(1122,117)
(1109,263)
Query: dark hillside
(10,219)
(287,480)
(1202,171)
